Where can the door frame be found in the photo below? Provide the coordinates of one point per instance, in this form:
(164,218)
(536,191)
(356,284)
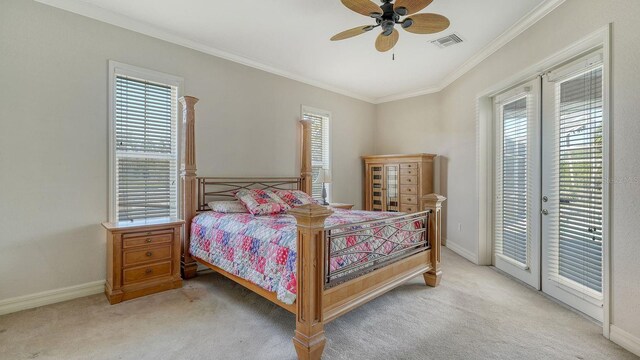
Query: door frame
(485,149)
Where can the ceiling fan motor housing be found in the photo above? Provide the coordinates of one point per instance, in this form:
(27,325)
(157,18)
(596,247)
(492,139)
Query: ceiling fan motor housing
(388,19)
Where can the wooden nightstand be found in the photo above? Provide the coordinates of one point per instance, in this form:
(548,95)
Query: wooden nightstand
(143,258)
(341,206)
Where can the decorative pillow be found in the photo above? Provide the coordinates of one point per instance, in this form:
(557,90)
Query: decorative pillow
(295,198)
(227,207)
(261,202)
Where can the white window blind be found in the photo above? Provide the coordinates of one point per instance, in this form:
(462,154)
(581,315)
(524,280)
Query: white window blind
(514,178)
(145,154)
(319,149)
(576,244)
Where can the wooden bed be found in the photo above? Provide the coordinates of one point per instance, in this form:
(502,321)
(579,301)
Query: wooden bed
(321,295)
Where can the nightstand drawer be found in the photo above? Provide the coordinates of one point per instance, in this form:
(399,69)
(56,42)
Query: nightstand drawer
(150,271)
(408,180)
(146,254)
(408,208)
(408,189)
(143,239)
(409,200)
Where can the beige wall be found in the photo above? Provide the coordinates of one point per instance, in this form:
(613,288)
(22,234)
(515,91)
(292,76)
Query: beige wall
(53,135)
(454,132)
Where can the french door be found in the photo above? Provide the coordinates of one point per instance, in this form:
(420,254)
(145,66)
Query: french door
(549,208)
(517,212)
(572,185)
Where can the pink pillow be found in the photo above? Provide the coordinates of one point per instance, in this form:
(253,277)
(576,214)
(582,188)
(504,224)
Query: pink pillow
(295,198)
(261,202)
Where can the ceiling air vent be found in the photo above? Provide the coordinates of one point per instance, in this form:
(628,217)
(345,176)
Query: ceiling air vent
(447,41)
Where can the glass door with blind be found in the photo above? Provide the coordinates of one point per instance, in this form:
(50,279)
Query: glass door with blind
(572,185)
(392,187)
(377,186)
(517,183)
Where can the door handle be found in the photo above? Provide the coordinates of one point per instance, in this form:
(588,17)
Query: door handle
(545,212)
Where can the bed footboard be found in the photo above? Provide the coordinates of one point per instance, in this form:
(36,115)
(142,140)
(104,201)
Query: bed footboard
(384,254)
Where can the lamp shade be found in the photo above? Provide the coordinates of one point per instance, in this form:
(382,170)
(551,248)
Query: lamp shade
(324,177)
(327,176)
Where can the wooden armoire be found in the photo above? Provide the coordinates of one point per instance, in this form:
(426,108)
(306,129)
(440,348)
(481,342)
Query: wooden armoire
(396,182)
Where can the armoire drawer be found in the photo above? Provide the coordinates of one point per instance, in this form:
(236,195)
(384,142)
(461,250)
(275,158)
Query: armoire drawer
(408,180)
(408,189)
(409,166)
(409,199)
(409,171)
(408,208)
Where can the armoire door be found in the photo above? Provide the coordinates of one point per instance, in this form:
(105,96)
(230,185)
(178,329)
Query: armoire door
(392,188)
(376,192)
(572,185)
(517,183)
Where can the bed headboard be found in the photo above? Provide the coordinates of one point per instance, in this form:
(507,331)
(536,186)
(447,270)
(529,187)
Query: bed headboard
(219,188)
(197,191)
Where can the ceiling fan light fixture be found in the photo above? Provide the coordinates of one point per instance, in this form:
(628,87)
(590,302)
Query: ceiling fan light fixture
(402,11)
(406,23)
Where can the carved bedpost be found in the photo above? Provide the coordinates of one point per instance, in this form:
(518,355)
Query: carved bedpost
(434,202)
(306,172)
(189,183)
(309,337)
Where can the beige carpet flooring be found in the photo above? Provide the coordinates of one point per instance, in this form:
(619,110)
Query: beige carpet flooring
(477,313)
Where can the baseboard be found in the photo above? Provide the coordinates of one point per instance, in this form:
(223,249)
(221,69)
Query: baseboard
(625,339)
(451,245)
(50,297)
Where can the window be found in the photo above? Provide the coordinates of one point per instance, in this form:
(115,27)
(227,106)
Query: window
(144,143)
(319,148)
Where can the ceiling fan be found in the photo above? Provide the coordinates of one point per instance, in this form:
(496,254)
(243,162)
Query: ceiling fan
(388,15)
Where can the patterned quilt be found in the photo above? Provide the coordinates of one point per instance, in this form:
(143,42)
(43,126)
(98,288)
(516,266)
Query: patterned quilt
(262,249)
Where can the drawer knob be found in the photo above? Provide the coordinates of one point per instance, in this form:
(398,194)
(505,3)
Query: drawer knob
(148,271)
(148,240)
(149,233)
(149,253)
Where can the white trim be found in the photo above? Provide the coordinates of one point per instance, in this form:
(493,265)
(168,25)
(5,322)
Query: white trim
(304,109)
(484,127)
(110,17)
(150,75)
(458,249)
(50,297)
(606,194)
(625,339)
(516,29)
(410,94)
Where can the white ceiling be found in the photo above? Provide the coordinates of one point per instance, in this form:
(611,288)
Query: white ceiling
(291,38)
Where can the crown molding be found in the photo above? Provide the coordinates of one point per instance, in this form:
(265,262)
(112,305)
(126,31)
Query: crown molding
(516,29)
(407,95)
(110,17)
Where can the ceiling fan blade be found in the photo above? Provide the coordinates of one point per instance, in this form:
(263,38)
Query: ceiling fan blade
(351,32)
(412,6)
(364,7)
(386,43)
(427,23)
